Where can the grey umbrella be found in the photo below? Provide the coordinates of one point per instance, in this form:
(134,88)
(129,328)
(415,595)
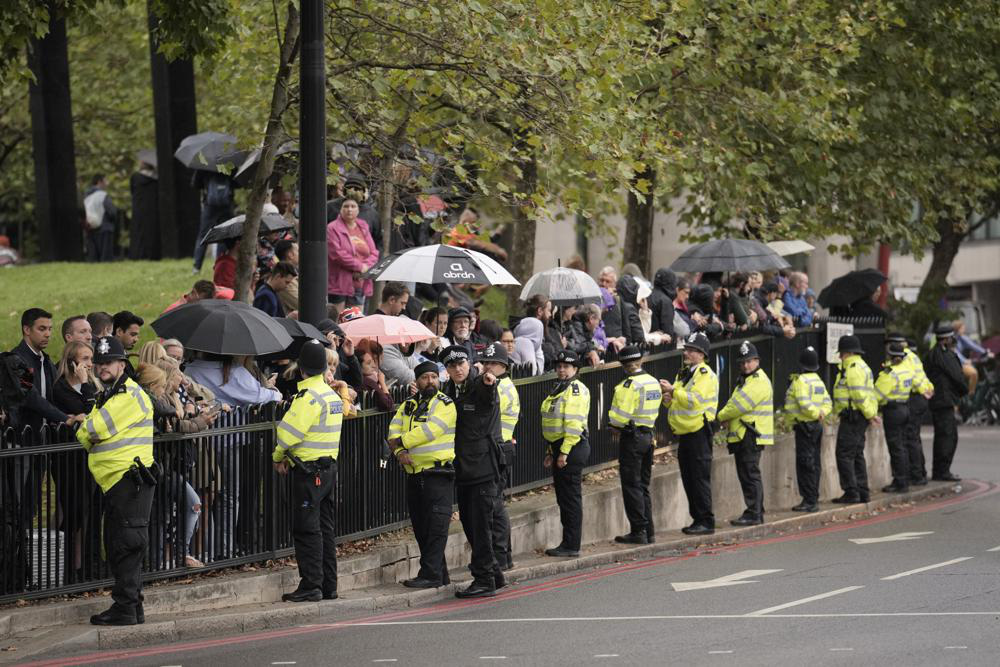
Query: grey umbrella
(225,327)
(245,173)
(729,255)
(207,151)
(233,228)
(563,287)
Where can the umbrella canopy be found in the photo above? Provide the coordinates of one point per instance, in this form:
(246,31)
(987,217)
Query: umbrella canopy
(851,288)
(245,173)
(301,333)
(729,255)
(785,248)
(147,155)
(233,228)
(206,151)
(563,287)
(441,264)
(386,329)
(225,327)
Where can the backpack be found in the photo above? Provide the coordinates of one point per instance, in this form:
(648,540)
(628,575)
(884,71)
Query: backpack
(218,192)
(94,206)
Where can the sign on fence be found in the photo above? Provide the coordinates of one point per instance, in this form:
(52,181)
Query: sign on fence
(834,332)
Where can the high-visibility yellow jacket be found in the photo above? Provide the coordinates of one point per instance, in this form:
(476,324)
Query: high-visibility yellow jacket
(921,383)
(636,402)
(894,383)
(310,429)
(510,408)
(116,431)
(751,405)
(426,427)
(695,399)
(564,414)
(807,399)
(854,387)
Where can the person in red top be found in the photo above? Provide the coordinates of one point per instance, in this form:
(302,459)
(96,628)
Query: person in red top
(224,274)
(203,289)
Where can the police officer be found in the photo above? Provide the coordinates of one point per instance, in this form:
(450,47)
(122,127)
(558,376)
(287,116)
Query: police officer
(945,370)
(692,401)
(477,465)
(892,389)
(422,436)
(923,390)
(309,442)
(564,427)
(854,401)
(118,436)
(633,412)
(494,360)
(807,402)
(750,420)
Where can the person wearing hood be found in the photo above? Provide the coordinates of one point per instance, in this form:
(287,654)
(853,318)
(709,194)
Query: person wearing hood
(532,330)
(622,320)
(701,307)
(584,332)
(552,339)
(661,303)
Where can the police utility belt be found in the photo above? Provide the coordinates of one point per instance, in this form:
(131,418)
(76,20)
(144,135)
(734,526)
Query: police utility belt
(442,468)
(632,428)
(141,476)
(851,415)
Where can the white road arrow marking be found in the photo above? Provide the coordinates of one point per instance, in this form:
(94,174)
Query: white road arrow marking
(898,537)
(728,580)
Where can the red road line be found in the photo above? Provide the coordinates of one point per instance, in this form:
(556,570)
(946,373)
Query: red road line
(983,489)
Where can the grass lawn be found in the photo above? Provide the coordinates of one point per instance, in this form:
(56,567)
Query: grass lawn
(76,288)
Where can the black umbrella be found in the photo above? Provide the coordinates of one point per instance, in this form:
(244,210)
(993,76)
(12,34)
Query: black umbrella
(301,333)
(225,327)
(850,288)
(233,228)
(207,151)
(729,255)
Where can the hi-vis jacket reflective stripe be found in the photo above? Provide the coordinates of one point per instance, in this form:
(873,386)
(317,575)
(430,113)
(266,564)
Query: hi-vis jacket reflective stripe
(807,399)
(116,432)
(752,404)
(427,430)
(921,383)
(510,408)
(311,428)
(636,402)
(894,383)
(695,400)
(854,388)
(564,414)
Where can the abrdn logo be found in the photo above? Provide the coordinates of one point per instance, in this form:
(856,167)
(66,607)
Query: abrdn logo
(457,272)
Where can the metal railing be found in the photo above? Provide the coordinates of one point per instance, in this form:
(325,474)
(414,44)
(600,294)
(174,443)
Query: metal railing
(50,538)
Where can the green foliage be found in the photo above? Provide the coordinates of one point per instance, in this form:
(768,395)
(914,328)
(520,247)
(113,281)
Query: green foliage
(192,27)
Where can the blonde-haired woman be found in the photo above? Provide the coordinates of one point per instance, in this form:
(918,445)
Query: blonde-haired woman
(151,352)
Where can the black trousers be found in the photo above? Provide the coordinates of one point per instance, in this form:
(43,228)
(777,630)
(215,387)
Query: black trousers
(635,468)
(895,417)
(945,440)
(694,456)
(808,464)
(101,244)
(476,504)
(914,446)
(851,466)
(314,527)
(502,548)
(429,497)
(747,457)
(126,536)
(568,482)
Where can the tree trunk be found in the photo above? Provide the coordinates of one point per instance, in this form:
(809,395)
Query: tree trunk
(951,234)
(639,225)
(383,198)
(247,256)
(522,257)
(57,217)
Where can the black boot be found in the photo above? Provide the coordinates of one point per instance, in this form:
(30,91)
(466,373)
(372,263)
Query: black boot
(562,552)
(477,590)
(895,487)
(303,595)
(847,499)
(420,582)
(806,507)
(698,529)
(113,616)
(747,520)
(632,538)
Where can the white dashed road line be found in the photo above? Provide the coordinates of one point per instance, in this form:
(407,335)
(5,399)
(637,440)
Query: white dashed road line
(606,655)
(948,648)
(926,567)
(718,652)
(994,549)
(795,603)
(385,660)
(842,649)
(492,657)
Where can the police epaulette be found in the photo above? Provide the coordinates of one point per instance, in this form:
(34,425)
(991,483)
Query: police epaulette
(576,389)
(301,393)
(445,398)
(628,383)
(704,370)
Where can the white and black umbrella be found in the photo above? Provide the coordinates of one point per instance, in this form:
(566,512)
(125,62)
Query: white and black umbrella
(441,264)
(233,228)
(729,255)
(563,287)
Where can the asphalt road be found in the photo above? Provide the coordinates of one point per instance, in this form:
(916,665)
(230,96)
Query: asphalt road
(838,595)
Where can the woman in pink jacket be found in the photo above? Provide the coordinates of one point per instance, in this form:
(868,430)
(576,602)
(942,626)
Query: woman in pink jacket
(350,252)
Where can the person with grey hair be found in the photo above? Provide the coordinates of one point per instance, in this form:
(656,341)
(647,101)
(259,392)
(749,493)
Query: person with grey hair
(794,299)
(585,334)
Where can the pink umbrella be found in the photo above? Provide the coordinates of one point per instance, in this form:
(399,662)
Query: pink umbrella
(386,329)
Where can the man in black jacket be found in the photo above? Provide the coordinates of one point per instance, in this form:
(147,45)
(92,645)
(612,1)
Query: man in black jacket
(944,370)
(661,303)
(477,465)
(36,330)
(622,319)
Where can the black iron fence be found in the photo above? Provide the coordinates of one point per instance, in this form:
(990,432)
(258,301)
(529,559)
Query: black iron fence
(220,502)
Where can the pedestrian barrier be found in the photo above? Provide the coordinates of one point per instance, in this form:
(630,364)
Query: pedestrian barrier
(218,486)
